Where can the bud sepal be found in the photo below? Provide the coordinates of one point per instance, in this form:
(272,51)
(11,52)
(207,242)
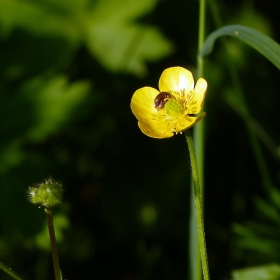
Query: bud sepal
(47,194)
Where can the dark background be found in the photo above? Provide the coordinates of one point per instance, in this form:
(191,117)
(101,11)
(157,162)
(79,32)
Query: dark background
(68,70)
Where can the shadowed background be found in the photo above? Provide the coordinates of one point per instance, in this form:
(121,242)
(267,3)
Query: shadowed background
(68,70)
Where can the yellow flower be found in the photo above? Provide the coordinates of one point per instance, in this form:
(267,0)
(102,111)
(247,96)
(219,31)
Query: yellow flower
(166,112)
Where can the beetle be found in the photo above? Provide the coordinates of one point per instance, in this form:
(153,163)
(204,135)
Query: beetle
(161,99)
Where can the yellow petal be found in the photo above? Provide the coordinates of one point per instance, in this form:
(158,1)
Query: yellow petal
(176,79)
(143,104)
(185,122)
(164,128)
(197,101)
(197,119)
(155,132)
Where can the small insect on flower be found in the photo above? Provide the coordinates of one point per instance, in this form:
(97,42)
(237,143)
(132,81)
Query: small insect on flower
(173,108)
(161,99)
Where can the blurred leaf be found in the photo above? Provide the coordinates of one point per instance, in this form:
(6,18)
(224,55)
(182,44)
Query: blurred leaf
(11,155)
(107,28)
(37,18)
(258,239)
(242,230)
(274,195)
(268,209)
(41,107)
(35,38)
(66,7)
(55,102)
(266,272)
(24,55)
(118,42)
(262,43)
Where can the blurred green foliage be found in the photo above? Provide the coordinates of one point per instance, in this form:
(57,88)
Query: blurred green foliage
(68,70)
(60,28)
(268,272)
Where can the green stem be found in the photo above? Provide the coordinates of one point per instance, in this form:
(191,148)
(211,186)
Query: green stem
(198,205)
(201,35)
(53,244)
(195,263)
(9,271)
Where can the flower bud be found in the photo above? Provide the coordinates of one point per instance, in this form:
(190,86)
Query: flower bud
(47,194)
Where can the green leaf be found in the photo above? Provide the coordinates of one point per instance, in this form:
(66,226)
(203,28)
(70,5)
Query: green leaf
(38,37)
(40,108)
(262,43)
(266,272)
(108,28)
(37,18)
(118,42)
(268,209)
(55,102)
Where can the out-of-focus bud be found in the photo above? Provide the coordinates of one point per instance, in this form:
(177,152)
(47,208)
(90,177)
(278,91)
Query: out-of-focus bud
(47,194)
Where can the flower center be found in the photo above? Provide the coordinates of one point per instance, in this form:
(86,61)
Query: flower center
(173,108)
(166,101)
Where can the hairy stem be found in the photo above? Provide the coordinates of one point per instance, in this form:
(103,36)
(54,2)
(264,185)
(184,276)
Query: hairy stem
(53,244)
(195,263)
(198,206)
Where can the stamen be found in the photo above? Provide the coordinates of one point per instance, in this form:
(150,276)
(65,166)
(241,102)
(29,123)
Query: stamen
(174,108)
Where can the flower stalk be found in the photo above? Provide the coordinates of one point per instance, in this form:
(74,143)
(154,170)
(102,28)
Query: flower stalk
(53,244)
(198,206)
(195,262)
